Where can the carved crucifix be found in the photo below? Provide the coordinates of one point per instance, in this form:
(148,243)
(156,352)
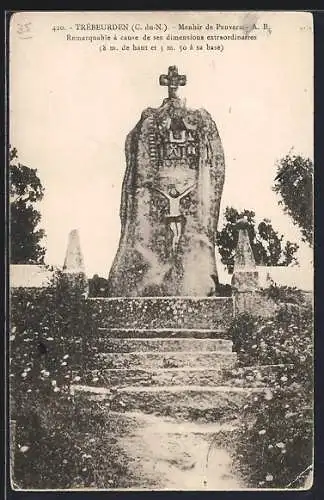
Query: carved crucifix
(173,81)
(175,218)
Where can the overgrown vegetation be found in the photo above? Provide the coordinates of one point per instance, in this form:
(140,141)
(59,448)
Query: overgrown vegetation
(66,445)
(274,446)
(46,340)
(98,286)
(285,294)
(48,335)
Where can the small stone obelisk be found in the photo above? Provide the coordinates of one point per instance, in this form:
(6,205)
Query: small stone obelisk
(246,280)
(245,276)
(73,262)
(73,265)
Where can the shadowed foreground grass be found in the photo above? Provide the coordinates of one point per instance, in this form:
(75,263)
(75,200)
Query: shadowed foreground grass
(62,445)
(84,444)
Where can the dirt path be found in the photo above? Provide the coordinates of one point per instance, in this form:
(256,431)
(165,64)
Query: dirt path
(166,454)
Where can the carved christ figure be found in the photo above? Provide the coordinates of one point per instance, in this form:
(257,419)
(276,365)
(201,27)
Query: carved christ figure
(175,218)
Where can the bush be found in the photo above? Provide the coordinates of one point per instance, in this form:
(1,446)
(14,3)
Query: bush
(98,286)
(284,294)
(62,444)
(287,338)
(275,443)
(49,334)
(224,290)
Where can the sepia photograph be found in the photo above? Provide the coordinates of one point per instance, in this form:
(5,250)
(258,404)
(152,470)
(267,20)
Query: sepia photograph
(161,316)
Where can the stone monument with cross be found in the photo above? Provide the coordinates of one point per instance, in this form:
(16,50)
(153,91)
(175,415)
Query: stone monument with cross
(170,201)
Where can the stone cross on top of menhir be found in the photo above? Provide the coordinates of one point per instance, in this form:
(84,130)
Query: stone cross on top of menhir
(170,201)
(173,81)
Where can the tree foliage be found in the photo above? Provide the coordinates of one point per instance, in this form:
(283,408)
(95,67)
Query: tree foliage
(25,190)
(294,184)
(268,245)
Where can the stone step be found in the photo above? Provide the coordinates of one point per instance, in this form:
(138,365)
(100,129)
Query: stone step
(199,333)
(153,377)
(161,344)
(189,403)
(149,359)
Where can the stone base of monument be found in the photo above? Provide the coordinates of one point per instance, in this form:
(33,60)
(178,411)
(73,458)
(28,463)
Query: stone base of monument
(163,355)
(156,366)
(161,341)
(151,313)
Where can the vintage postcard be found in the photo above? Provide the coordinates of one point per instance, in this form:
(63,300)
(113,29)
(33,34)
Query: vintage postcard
(161,250)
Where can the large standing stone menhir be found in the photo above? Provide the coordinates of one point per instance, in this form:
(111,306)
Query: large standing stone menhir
(170,201)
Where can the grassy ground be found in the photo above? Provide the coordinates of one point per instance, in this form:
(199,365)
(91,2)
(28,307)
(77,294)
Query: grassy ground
(84,444)
(61,444)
